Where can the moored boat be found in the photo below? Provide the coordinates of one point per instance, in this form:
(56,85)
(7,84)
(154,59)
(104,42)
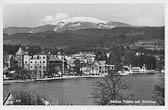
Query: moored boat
(129,70)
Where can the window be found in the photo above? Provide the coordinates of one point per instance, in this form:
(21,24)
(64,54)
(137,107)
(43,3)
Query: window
(31,67)
(40,66)
(35,61)
(35,67)
(25,61)
(43,57)
(40,61)
(31,62)
(43,61)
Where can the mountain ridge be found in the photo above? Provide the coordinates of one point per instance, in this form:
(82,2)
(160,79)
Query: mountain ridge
(74,23)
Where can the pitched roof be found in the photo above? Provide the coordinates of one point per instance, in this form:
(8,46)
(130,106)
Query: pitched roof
(102,62)
(20,51)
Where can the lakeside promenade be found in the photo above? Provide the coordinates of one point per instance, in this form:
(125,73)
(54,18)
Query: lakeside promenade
(6,82)
(47,79)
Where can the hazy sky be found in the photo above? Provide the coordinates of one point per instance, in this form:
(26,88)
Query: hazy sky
(31,15)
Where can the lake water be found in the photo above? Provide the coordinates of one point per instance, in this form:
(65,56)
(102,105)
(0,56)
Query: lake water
(79,91)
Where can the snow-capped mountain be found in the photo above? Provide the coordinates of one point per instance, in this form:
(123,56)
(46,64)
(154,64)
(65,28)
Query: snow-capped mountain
(86,23)
(74,23)
(80,23)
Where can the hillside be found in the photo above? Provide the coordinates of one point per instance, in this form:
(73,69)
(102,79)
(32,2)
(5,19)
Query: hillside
(87,38)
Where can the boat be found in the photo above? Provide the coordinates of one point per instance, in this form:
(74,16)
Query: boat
(129,70)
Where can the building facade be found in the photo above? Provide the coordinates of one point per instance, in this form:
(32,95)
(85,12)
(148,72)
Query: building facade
(20,57)
(36,64)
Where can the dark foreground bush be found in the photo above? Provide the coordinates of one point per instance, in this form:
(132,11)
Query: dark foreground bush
(26,98)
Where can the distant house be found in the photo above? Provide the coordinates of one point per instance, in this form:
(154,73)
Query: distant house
(98,68)
(95,68)
(85,57)
(90,60)
(101,68)
(86,70)
(71,64)
(110,68)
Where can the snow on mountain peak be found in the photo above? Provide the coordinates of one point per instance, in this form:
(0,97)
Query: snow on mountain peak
(62,23)
(82,19)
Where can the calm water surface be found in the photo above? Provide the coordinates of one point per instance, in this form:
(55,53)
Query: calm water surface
(79,91)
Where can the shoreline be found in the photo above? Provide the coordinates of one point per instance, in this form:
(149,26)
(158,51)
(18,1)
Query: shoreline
(6,82)
(16,81)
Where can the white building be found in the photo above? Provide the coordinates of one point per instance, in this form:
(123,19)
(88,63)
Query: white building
(98,68)
(101,68)
(27,61)
(36,63)
(86,70)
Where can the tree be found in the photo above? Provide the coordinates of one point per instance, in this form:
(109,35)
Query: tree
(27,98)
(101,55)
(22,74)
(149,61)
(57,70)
(109,89)
(129,57)
(14,64)
(114,58)
(77,67)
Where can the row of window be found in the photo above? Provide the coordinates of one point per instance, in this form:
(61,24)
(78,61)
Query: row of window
(39,67)
(37,57)
(40,57)
(102,71)
(35,62)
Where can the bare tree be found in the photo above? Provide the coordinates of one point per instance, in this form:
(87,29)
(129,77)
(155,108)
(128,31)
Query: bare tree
(111,89)
(27,98)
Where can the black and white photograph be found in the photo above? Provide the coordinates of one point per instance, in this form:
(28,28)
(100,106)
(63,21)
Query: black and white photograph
(84,54)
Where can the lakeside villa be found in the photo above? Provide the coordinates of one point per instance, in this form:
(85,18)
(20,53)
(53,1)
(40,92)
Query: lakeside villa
(64,65)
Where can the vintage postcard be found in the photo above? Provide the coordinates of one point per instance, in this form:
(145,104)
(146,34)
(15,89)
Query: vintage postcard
(84,54)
